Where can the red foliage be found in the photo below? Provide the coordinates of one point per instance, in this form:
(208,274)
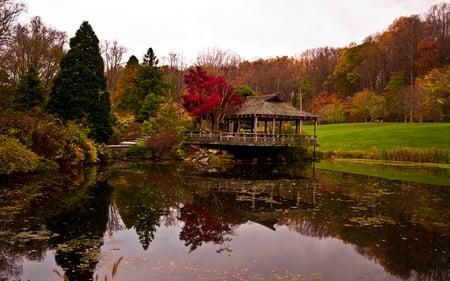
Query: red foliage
(428,56)
(323,99)
(209,96)
(203,225)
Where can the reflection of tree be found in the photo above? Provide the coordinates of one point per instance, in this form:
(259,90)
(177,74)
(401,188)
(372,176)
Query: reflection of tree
(203,226)
(207,220)
(114,221)
(17,242)
(9,261)
(142,208)
(145,198)
(61,210)
(81,227)
(400,225)
(146,222)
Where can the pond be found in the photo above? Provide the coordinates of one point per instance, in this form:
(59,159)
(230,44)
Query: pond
(143,221)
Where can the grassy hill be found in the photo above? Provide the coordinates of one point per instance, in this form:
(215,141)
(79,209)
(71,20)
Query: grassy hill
(424,142)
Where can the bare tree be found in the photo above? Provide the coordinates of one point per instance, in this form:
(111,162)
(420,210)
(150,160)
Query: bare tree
(219,62)
(438,21)
(37,44)
(438,28)
(113,56)
(9,11)
(174,68)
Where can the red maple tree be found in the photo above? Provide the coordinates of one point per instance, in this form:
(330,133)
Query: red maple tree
(209,97)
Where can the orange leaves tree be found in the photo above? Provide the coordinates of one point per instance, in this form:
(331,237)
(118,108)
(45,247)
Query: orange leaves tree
(209,97)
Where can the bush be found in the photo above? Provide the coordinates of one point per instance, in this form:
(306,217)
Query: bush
(139,150)
(49,139)
(164,145)
(15,157)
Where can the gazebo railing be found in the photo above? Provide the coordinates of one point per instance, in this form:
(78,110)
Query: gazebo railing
(249,139)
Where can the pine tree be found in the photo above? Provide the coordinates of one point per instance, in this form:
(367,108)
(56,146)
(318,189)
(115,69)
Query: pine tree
(30,93)
(79,89)
(148,91)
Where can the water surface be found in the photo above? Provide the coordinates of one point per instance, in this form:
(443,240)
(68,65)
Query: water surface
(137,221)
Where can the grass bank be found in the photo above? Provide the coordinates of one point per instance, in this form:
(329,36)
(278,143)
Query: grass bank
(417,142)
(426,173)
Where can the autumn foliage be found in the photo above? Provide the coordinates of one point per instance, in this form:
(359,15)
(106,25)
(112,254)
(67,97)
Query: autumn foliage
(209,97)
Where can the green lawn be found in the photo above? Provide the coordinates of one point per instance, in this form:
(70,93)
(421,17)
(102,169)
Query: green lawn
(375,136)
(417,142)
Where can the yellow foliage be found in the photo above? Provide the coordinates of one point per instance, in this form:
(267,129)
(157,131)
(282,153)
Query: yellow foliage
(15,157)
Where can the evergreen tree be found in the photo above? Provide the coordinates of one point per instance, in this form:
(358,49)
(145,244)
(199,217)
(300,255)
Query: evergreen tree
(148,91)
(30,92)
(79,89)
(150,58)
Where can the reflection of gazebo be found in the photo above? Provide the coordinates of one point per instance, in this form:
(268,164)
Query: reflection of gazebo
(242,127)
(269,108)
(263,201)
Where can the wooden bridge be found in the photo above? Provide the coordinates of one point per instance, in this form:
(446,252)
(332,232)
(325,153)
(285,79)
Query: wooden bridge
(247,139)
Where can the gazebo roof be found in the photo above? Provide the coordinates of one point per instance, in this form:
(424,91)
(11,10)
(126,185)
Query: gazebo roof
(269,107)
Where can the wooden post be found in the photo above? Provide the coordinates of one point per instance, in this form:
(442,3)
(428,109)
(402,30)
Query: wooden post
(315,129)
(279,129)
(255,126)
(273,126)
(301,126)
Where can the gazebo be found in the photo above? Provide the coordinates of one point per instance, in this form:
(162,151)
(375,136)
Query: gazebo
(243,127)
(269,109)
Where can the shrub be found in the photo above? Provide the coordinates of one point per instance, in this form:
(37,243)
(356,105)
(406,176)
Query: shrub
(164,144)
(139,150)
(49,139)
(15,157)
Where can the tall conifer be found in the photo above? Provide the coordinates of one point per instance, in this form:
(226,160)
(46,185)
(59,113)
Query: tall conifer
(30,92)
(79,89)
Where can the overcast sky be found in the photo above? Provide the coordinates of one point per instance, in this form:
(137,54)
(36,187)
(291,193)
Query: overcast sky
(250,28)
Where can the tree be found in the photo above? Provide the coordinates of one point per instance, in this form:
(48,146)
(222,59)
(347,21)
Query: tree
(113,53)
(329,106)
(30,92)
(367,104)
(79,89)
(316,68)
(219,62)
(148,89)
(437,94)
(438,28)
(244,91)
(209,97)
(396,98)
(345,75)
(125,80)
(173,73)
(36,44)
(407,32)
(9,12)
(427,56)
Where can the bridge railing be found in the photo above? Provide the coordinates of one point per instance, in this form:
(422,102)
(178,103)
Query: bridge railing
(250,139)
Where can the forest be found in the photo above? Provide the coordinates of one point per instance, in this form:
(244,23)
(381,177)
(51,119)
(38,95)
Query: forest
(62,100)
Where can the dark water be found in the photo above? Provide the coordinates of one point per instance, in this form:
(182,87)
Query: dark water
(249,222)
